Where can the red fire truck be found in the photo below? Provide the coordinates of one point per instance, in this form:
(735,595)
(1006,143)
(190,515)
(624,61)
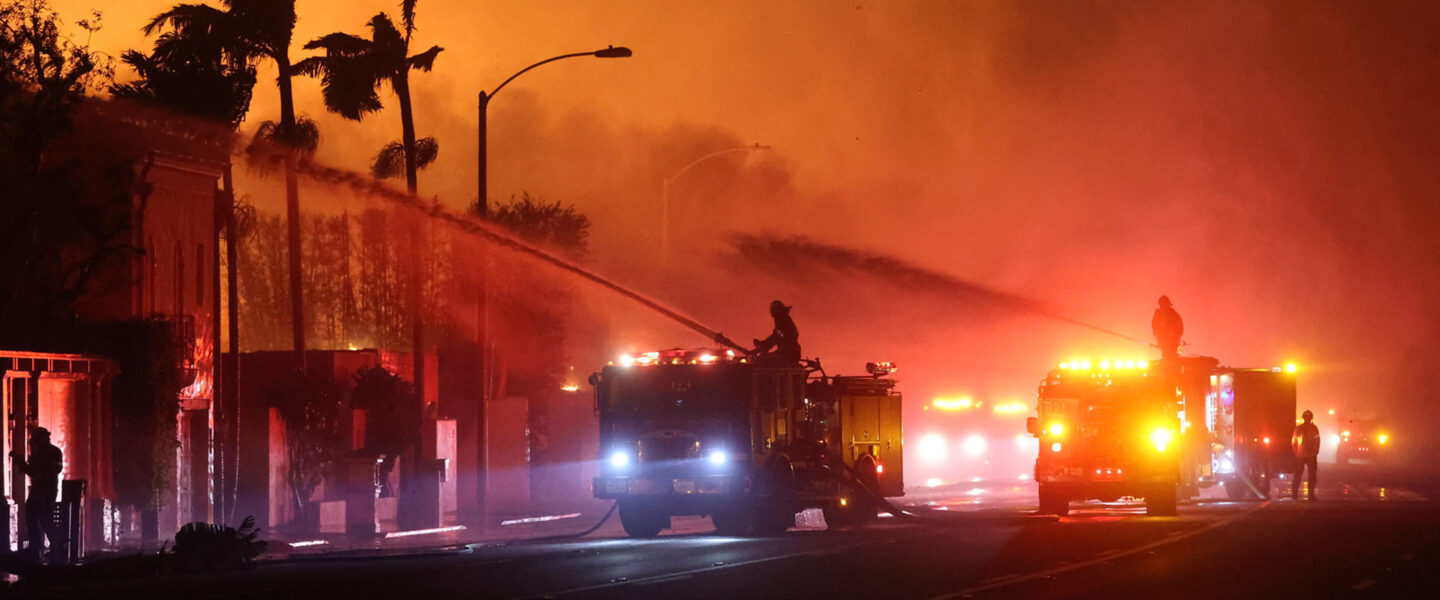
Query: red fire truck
(1159,430)
(749,442)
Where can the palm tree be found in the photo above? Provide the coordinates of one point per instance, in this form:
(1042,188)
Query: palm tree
(254,30)
(352,71)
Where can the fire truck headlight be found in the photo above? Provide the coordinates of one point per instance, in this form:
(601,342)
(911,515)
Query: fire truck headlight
(932,447)
(974,445)
(620,459)
(718,458)
(1161,437)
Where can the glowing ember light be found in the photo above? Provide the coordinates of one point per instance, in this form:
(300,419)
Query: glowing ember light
(844,502)
(570,388)
(952,404)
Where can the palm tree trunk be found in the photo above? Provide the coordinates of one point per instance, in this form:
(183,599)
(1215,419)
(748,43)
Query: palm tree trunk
(292,208)
(417,312)
(230,395)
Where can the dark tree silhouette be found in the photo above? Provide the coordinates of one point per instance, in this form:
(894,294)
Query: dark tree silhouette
(353,69)
(254,30)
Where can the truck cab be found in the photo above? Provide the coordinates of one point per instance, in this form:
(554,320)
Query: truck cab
(748,442)
(1106,430)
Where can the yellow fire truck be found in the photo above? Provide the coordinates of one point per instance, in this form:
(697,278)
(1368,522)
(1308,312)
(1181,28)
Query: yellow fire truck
(747,441)
(1159,430)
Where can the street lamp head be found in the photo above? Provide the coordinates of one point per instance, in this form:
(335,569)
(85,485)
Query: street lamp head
(613,52)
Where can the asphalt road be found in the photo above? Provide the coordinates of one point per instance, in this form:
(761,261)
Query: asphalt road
(1370,534)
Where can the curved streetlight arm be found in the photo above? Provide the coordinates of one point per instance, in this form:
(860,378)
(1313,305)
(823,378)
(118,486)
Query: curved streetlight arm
(522,71)
(665,195)
(712,155)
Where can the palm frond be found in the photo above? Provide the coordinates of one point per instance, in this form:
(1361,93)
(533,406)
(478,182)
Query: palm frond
(189,17)
(407,16)
(390,161)
(424,61)
(340,43)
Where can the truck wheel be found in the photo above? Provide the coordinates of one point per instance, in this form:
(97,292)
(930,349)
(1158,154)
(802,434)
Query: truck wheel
(642,520)
(1052,502)
(1161,502)
(775,512)
(731,521)
(1236,490)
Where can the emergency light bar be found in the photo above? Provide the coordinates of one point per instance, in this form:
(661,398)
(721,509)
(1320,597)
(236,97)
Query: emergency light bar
(881,368)
(679,356)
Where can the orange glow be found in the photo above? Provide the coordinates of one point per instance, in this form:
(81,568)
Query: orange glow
(1057,429)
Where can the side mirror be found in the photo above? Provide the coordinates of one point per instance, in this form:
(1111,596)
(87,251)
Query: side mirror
(594,379)
(1032,425)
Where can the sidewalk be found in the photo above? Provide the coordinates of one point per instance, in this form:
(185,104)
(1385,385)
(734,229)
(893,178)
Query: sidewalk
(496,530)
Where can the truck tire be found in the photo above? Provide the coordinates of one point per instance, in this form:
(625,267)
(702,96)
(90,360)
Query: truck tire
(1236,489)
(1160,502)
(775,511)
(731,521)
(642,520)
(1053,502)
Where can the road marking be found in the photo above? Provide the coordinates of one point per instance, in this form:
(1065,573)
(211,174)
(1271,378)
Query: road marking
(683,574)
(1065,568)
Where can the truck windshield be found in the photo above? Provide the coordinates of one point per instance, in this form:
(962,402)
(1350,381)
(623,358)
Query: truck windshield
(687,389)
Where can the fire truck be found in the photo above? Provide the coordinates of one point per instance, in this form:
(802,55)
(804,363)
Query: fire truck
(1160,431)
(745,440)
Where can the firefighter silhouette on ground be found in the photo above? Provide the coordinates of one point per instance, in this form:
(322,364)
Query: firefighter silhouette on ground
(1306,444)
(44,466)
(1167,327)
(785,339)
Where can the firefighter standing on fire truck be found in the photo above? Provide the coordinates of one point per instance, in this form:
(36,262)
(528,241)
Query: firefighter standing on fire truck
(1167,327)
(785,339)
(1306,444)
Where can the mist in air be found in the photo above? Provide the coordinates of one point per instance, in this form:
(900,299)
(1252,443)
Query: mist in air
(978,190)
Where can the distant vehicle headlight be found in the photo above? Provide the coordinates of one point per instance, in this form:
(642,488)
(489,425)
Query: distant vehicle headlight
(620,459)
(974,445)
(718,457)
(932,447)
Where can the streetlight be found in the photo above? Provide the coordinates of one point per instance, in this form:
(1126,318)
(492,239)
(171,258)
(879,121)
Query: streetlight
(484,182)
(482,305)
(665,194)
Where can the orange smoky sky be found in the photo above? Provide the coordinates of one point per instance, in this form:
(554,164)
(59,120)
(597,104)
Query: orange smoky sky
(1269,165)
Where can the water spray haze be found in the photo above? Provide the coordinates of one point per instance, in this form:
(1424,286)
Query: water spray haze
(798,257)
